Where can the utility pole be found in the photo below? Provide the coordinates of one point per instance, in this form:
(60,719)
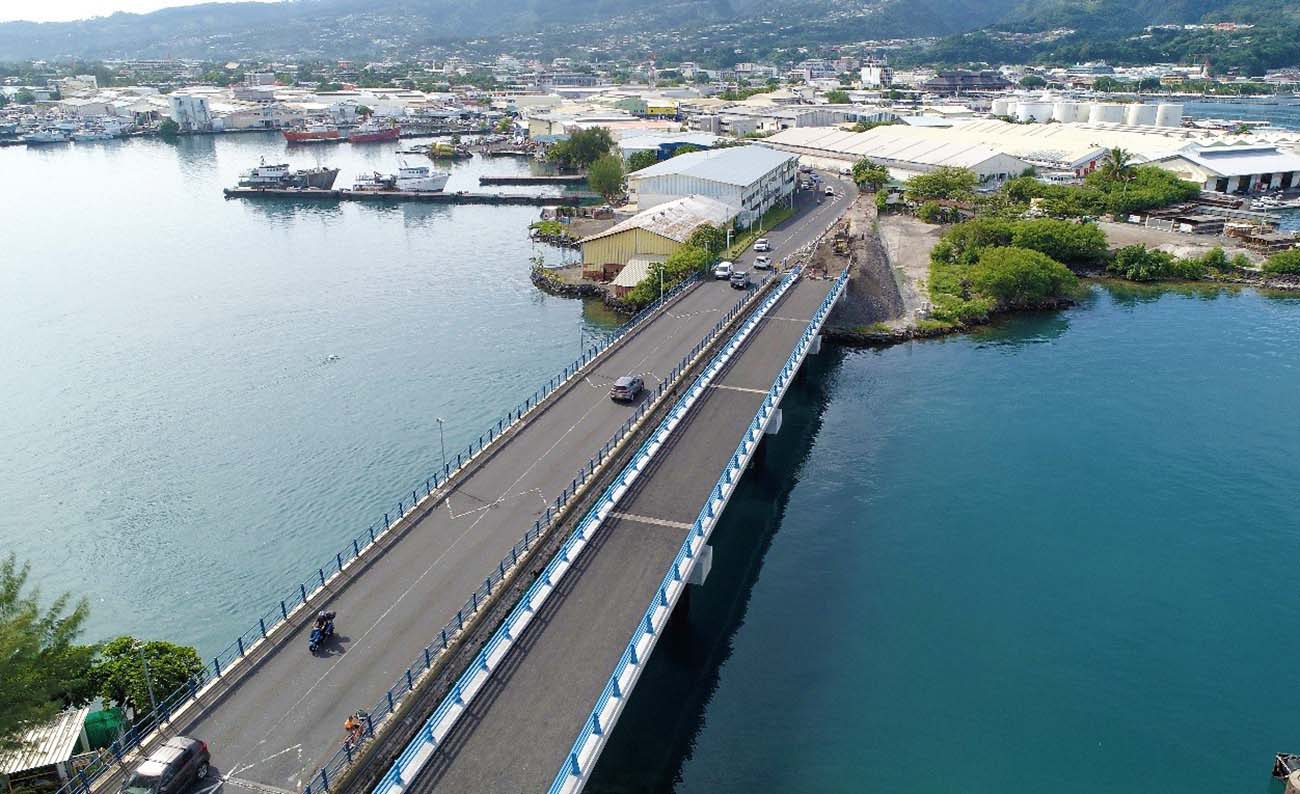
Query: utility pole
(153,702)
(442,442)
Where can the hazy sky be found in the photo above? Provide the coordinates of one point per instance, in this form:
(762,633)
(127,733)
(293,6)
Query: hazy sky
(60,10)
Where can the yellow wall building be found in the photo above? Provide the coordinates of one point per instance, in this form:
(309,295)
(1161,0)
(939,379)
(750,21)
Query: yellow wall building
(657,232)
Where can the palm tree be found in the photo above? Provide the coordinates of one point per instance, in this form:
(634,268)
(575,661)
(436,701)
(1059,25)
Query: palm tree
(1117,165)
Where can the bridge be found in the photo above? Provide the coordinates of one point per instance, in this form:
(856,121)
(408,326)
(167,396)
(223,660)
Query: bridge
(567,658)
(415,587)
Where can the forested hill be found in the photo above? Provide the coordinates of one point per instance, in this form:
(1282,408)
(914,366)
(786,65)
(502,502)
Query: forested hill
(1115,31)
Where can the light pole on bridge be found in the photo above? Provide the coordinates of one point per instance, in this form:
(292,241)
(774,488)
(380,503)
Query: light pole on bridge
(442,442)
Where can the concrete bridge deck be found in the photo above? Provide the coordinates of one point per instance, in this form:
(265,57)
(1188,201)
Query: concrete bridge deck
(278,725)
(519,728)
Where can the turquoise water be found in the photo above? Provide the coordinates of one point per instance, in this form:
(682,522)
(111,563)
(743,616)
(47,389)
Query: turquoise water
(1054,556)
(204,399)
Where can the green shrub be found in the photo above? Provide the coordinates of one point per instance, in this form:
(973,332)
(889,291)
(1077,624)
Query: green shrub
(1215,259)
(1283,262)
(930,212)
(1139,263)
(962,243)
(1020,277)
(1064,241)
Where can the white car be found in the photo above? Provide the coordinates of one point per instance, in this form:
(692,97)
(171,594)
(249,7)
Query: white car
(762,263)
(723,270)
(762,244)
(830,191)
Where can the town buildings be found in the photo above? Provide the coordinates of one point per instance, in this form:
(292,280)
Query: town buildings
(750,179)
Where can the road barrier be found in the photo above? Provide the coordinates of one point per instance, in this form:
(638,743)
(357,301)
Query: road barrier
(444,717)
(591,738)
(289,609)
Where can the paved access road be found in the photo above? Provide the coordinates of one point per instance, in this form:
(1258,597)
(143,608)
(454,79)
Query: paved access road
(520,726)
(280,724)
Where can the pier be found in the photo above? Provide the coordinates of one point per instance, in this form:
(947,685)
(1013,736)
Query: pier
(459,197)
(552,179)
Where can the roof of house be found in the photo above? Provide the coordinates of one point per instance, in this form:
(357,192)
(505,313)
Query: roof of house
(1237,160)
(674,219)
(737,165)
(46,744)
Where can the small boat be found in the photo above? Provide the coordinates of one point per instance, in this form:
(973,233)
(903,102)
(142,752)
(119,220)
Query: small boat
(278,175)
(373,131)
(41,137)
(91,134)
(316,132)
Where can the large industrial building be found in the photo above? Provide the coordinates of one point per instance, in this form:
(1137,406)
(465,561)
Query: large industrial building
(749,179)
(649,236)
(904,154)
(1243,168)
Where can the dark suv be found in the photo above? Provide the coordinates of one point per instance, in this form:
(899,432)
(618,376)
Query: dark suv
(171,769)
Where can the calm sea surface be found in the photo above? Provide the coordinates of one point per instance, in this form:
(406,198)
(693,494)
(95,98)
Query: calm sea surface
(1054,556)
(1283,113)
(204,399)
(1057,555)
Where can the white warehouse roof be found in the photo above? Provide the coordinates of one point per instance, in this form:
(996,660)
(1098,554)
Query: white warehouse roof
(883,144)
(1242,160)
(738,165)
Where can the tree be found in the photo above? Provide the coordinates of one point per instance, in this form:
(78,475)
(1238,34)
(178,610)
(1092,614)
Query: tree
(1117,165)
(945,182)
(1020,278)
(837,97)
(504,125)
(870,175)
(119,672)
(24,97)
(1064,241)
(363,110)
(582,148)
(169,129)
(864,126)
(1139,263)
(708,238)
(42,670)
(685,148)
(1032,81)
(642,159)
(605,176)
(4,99)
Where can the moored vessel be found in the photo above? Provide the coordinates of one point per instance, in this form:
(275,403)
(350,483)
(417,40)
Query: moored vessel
(373,131)
(408,179)
(45,136)
(316,132)
(278,175)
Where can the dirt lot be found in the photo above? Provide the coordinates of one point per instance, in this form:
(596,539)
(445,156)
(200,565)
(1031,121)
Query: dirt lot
(907,243)
(1176,243)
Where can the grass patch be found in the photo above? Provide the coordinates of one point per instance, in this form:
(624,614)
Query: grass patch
(773,217)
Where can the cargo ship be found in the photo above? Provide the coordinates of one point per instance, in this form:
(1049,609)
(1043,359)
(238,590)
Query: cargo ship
(318,132)
(278,175)
(372,132)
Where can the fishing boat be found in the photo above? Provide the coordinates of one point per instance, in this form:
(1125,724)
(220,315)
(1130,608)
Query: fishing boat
(373,131)
(278,175)
(315,132)
(408,179)
(41,137)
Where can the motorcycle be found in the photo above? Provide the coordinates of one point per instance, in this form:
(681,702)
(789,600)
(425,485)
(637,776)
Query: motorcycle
(321,632)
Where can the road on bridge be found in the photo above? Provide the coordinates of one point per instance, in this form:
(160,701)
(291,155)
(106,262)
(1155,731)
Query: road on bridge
(281,723)
(518,729)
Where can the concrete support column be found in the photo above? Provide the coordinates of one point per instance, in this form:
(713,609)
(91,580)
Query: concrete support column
(1234,184)
(773,423)
(816,346)
(703,564)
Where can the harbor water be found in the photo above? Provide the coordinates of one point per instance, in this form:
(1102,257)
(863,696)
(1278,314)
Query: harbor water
(1057,554)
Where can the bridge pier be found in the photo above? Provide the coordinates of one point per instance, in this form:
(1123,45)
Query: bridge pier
(816,346)
(773,424)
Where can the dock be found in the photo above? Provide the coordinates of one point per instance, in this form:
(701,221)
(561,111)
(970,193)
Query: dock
(554,179)
(459,197)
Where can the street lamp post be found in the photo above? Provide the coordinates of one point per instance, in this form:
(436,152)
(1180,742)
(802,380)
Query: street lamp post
(442,442)
(148,680)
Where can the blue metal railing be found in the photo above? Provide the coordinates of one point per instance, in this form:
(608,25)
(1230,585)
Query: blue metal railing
(444,716)
(582,756)
(304,591)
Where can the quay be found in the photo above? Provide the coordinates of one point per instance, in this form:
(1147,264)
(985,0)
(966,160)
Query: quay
(552,179)
(458,197)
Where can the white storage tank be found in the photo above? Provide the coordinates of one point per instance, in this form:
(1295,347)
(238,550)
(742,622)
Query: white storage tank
(1065,112)
(1141,115)
(1001,106)
(1082,112)
(1105,113)
(1169,115)
(1033,110)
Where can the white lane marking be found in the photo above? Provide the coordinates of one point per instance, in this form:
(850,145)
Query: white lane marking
(252,785)
(216,785)
(788,320)
(660,522)
(738,388)
(247,767)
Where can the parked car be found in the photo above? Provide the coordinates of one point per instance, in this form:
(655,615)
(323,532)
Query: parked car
(762,244)
(762,263)
(805,185)
(171,769)
(723,270)
(830,191)
(740,279)
(626,388)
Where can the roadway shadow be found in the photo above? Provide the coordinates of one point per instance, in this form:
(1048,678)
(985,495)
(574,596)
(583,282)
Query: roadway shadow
(334,646)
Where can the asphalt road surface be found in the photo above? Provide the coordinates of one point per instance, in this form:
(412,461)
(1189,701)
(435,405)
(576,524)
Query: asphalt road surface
(280,724)
(519,728)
